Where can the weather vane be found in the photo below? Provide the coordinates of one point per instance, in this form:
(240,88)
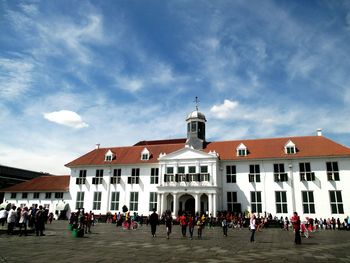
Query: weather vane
(196,100)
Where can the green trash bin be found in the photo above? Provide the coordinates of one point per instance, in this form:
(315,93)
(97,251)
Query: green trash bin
(78,232)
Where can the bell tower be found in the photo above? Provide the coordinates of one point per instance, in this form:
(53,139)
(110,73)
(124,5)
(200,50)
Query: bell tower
(196,128)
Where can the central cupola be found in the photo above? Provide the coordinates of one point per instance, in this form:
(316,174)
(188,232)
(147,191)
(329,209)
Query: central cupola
(196,129)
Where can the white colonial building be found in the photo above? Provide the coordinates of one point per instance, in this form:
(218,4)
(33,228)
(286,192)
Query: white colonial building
(278,176)
(308,174)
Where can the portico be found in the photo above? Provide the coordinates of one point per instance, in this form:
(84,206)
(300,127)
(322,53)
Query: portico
(185,200)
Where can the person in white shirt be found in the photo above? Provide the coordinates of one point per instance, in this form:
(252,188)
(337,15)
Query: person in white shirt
(3,216)
(11,220)
(252,228)
(23,221)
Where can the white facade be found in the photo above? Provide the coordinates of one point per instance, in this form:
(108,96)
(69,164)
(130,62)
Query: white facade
(211,195)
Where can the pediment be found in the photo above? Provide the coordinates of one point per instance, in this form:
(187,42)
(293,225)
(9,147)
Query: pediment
(187,153)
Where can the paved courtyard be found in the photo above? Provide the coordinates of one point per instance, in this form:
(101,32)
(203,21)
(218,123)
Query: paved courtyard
(110,244)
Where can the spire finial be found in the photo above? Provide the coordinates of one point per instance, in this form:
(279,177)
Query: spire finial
(196,100)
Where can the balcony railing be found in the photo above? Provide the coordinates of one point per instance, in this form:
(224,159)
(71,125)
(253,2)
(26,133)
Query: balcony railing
(177,178)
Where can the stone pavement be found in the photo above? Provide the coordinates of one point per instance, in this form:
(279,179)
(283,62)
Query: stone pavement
(110,244)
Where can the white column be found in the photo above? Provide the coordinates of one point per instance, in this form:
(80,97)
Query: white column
(175,204)
(159,204)
(291,175)
(211,174)
(210,201)
(196,203)
(164,207)
(214,205)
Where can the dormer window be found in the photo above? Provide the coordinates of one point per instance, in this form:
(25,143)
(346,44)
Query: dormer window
(109,156)
(290,148)
(145,154)
(242,150)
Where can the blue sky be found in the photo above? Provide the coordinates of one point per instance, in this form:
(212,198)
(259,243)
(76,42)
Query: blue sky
(76,73)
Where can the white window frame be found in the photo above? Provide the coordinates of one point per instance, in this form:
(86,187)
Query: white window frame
(115,196)
(282,204)
(153,201)
(134,201)
(96,204)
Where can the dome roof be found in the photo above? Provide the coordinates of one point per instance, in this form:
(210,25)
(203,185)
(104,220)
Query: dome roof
(196,115)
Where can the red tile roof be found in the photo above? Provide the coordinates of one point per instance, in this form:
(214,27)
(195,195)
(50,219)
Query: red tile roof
(59,183)
(126,155)
(307,146)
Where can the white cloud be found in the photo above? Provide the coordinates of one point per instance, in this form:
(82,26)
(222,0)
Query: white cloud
(224,110)
(67,118)
(15,77)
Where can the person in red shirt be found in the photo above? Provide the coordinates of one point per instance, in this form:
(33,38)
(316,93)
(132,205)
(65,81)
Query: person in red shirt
(183,224)
(296,225)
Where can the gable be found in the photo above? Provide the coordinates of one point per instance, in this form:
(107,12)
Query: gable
(188,153)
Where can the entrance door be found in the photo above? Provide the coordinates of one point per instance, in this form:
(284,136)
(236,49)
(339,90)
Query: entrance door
(190,205)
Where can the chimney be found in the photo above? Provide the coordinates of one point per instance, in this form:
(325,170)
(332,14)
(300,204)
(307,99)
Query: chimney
(97,146)
(319,132)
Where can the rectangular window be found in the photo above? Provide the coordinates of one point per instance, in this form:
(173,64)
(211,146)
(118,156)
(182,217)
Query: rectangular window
(13,195)
(308,202)
(116,178)
(36,195)
(305,172)
(144,156)
(82,174)
(169,176)
(336,201)
(332,171)
(193,126)
(99,173)
(281,202)
(59,195)
(279,174)
(231,173)
(115,201)
(204,169)
(154,175)
(80,200)
(24,195)
(98,178)
(192,169)
(152,201)
(242,152)
(254,173)
(181,169)
(134,201)
(96,205)
(135,176)
(47,195)
(290,150)
(170,170)
(231,200)
(82,177)
(255,200)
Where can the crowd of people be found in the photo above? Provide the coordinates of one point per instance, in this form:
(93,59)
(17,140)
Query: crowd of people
(36,217)
(82,221)
(25,218)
